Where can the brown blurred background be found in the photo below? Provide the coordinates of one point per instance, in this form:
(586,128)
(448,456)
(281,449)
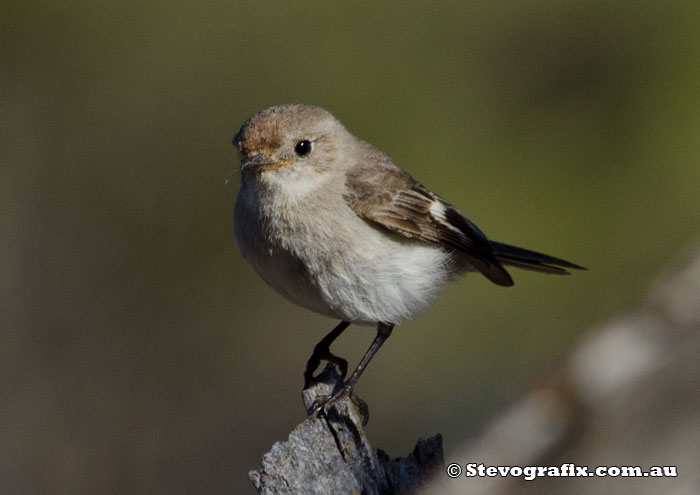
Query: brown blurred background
(139,354)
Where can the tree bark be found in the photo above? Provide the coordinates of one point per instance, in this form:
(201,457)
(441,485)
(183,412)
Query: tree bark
(330,454)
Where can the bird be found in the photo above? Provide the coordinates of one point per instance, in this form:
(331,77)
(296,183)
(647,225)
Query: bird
(335,226)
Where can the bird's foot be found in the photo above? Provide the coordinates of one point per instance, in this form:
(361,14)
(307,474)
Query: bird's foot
(322,405)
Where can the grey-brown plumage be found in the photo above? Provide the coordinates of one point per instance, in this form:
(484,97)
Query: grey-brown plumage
(393,199)
(335,226)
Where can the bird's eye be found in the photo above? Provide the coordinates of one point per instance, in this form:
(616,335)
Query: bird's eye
(303,147)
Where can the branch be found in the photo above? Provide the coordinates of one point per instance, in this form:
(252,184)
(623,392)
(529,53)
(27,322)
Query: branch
(331,454)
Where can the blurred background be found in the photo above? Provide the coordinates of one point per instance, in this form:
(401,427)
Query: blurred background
(140,354)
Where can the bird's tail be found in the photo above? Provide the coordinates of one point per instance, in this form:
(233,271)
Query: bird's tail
(531,260)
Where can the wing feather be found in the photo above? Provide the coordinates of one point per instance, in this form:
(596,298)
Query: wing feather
(389,197)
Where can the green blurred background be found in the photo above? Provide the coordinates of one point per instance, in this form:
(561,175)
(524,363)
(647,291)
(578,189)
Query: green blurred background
(139,354)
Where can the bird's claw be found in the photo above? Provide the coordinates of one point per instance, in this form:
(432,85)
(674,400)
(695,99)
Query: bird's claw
(322,405)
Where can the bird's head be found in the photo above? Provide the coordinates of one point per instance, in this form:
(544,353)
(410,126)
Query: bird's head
(290,145)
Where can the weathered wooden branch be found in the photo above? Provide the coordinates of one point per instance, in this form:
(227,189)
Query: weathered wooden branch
(331,454)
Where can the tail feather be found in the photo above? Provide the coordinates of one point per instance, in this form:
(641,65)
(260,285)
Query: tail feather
(532,260)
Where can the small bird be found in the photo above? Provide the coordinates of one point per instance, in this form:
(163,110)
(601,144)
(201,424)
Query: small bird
(333,225)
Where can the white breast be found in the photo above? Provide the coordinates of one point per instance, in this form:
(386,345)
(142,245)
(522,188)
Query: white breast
(336,264)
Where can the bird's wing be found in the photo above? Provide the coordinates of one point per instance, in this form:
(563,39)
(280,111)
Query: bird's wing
(389,197)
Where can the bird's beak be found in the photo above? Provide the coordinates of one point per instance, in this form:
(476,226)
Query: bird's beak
(261,163)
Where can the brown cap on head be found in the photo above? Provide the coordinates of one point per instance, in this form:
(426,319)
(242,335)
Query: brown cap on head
(266,130)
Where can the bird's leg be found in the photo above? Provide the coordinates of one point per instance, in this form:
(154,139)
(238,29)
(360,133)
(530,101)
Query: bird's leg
(383,332)
(322,351)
